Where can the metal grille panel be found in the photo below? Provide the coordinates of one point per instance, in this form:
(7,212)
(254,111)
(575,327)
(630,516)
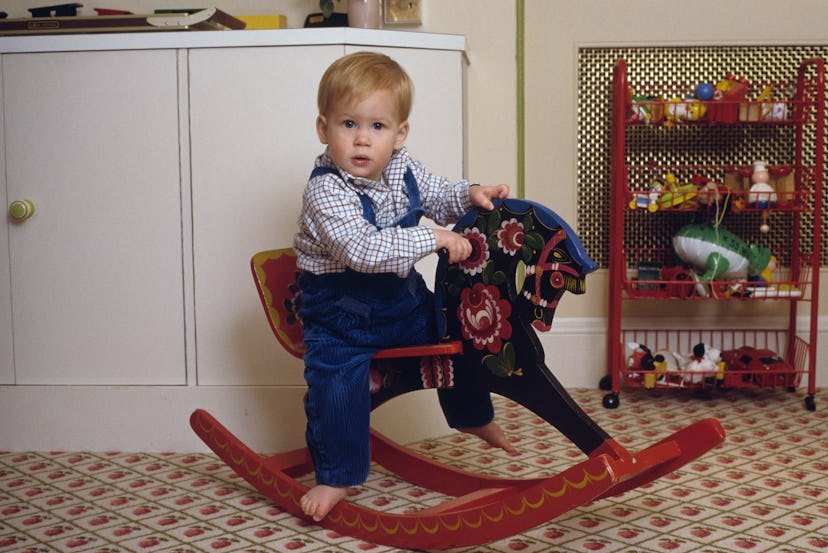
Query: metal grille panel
(683,145)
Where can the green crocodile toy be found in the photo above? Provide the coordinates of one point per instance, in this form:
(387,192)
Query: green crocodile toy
(719,254)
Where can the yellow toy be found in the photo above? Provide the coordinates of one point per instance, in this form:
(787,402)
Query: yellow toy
(676,194)
(685,110)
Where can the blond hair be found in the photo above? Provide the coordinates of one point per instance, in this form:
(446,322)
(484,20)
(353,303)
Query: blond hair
(353,76)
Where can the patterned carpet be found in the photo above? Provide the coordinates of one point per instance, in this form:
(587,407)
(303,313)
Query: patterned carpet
(764,489)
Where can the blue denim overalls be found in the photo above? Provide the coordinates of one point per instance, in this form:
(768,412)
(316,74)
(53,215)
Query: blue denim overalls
(347,318)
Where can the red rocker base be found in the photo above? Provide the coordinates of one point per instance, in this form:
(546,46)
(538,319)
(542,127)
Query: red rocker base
(524,258)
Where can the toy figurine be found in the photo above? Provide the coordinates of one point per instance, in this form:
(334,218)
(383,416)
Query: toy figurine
(648,200)
(765,276)
(701,363)
(676,194)
(648,109)
(761,193)
(689,109)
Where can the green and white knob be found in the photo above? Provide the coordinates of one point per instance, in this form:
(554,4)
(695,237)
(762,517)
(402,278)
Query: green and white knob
(20,210)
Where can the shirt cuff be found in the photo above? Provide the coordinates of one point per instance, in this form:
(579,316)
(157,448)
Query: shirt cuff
(424,239)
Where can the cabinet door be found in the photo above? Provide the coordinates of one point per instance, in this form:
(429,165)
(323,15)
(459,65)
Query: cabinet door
(6,345)
(253,114)
(253,134)
(96,273)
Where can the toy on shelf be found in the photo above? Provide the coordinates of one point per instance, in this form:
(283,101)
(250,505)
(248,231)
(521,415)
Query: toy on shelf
(688,109)
(657,367)
(718,254)
(704,92)
(648,200)
(676,194)
(679,281)
(712,195)
(728,94)
(648,109)
(704,362)
(761,194)
(649,275)
(763,285)
(764,108)
(782,180)
(750,366)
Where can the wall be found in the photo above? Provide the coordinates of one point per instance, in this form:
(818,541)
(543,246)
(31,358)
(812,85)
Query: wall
(488,25)
(554,30)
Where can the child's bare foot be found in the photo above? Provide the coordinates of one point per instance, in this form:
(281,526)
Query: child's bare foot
(492,434)
(319,500)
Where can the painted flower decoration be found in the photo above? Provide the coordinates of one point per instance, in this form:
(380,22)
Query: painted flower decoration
(282,297)
(510,236)
(437,371)
(480,252)
(483,316)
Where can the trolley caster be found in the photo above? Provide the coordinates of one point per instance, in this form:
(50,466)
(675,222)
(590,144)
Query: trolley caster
(611,401)
(605,383)
(810,403)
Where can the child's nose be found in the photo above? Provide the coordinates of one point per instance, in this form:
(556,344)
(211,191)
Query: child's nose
(362,136)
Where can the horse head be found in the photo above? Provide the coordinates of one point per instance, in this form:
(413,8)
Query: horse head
(524,258)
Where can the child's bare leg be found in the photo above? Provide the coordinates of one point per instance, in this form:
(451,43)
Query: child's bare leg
(492,434)
(320,499)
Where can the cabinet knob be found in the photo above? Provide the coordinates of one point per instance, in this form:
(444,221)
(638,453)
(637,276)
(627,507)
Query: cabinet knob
(20,210)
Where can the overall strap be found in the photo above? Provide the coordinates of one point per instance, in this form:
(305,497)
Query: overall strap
(415,211)
(412,189)
(367,208)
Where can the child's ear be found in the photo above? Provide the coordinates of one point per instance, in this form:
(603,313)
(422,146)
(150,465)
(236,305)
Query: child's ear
(402,134)
(322,129)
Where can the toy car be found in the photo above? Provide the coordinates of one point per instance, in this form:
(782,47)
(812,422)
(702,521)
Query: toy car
(761,367)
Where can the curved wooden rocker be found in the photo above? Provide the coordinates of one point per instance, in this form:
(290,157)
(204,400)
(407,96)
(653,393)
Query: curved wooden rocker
(524,259)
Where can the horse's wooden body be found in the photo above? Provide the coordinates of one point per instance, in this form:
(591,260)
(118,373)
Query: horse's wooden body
(524,259)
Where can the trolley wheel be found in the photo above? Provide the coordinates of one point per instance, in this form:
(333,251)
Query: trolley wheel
(605,383)
(810,403)
(611,401)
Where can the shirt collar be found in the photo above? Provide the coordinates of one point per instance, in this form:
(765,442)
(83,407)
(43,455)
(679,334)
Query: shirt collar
(396,165)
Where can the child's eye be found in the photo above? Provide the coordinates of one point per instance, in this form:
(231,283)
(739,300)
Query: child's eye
(378,126)
(348,124)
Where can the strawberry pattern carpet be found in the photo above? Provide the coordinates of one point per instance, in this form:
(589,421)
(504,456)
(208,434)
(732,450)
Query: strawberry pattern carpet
(765,489)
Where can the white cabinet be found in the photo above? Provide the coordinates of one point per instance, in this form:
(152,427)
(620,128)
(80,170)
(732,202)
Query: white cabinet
(158,164)
(91,138)
(253,114)
(253,133)
(6,345)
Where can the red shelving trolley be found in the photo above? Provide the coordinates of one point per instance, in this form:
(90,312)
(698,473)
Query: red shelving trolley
(678,162)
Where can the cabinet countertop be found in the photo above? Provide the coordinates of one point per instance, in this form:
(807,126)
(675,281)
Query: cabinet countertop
(221,39)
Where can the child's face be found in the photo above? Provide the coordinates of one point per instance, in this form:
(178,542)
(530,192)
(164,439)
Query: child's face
(362,134)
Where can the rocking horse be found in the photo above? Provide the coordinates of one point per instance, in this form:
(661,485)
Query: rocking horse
(524,259)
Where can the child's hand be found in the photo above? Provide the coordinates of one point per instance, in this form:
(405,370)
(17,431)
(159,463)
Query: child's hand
(482,196)
(459,249)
